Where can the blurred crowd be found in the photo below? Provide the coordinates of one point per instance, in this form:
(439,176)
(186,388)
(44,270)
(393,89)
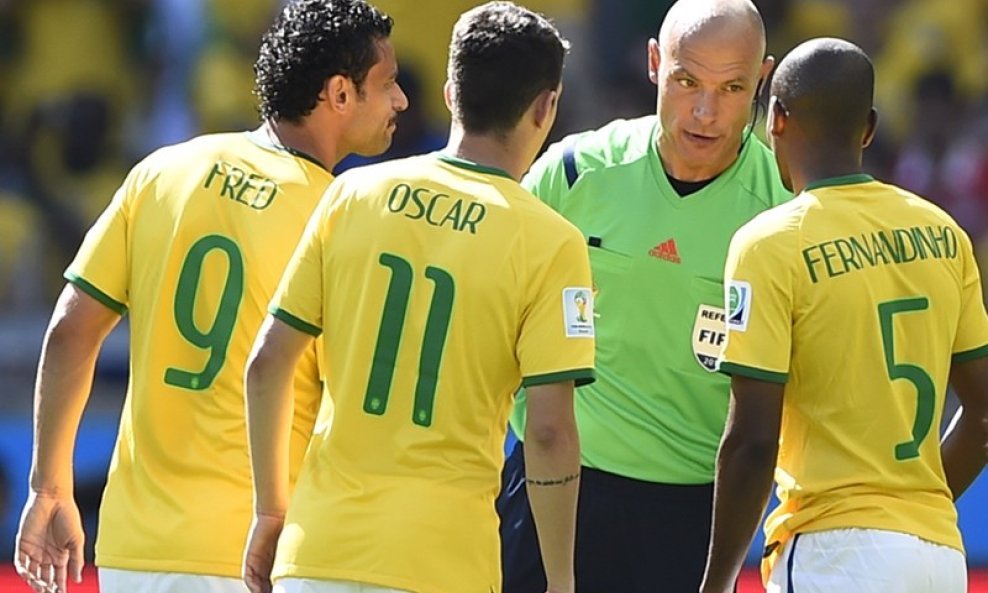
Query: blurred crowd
(89,87)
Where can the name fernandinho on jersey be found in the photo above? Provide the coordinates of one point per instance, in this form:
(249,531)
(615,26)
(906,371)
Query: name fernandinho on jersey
(435,208)
(249,189)
(879,248)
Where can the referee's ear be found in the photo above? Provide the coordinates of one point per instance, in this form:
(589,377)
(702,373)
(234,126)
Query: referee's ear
(654,57)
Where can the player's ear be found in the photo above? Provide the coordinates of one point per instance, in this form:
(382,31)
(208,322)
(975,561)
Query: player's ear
(654,57)
(544,107)
(870,128)
(775,123)
(448,95)
(337,92)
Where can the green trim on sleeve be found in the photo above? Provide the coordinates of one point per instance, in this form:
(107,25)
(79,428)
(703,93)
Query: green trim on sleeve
(579,376)
(729,368)
(969,355)
(105,299)
(295,322)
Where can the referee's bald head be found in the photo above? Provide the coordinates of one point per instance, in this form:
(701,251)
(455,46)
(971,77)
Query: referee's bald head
(827,85)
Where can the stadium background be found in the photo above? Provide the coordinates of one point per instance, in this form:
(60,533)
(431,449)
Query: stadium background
(87,87)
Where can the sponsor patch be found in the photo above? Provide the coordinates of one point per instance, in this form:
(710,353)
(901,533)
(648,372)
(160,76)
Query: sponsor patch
(738,305)
(709,336)
(578,312)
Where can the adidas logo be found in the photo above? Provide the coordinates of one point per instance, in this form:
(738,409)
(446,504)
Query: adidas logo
(667,251)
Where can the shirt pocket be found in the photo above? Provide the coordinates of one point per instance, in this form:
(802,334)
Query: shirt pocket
(612,286)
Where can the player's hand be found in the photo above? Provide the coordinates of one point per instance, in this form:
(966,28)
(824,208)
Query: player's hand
(49,543)
(259,557)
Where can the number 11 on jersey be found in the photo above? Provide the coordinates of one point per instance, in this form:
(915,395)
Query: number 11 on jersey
(389,338)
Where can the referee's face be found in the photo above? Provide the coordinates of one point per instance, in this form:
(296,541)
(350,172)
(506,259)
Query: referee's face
(706,83)
(375,116)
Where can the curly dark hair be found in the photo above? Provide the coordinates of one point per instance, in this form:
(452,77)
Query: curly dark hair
(310,41)
(500,58)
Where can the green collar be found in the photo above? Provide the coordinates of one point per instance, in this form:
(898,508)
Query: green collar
(852,179)
(261,139)
(472,166)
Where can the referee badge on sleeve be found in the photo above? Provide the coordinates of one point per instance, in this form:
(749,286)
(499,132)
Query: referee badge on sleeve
(578,312)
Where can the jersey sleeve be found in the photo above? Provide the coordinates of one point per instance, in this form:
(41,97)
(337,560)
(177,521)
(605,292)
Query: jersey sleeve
(556,338)
(547,179)
(758,289)
(299,298)
(101,267)
(971,340)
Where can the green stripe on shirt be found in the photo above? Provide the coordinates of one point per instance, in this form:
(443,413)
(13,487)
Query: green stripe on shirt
(729,368)
(579,376)
(295,322)
(108,301)
(969,355)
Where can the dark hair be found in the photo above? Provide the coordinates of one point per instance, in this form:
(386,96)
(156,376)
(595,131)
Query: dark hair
(309,42)
(500,58)
(828,84)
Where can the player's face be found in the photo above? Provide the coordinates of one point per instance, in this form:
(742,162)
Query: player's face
(375,117)
(706,85)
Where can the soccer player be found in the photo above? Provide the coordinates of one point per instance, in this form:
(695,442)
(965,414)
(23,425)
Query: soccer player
(439,286)
(849,309)
(657,199)
(192,246)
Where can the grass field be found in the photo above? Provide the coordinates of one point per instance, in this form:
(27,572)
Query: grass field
(10,583)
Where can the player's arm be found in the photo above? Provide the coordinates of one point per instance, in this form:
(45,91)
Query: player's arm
(50,537)
(743,480)
(269,399)
(965,445)
(552,461)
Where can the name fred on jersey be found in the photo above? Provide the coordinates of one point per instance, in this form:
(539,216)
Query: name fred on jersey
(249,189)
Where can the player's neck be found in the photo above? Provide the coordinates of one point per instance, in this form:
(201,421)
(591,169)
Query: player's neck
(820,169)
(488,150)
(302,137)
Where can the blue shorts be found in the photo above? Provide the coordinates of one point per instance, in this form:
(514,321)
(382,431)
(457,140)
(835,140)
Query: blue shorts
(631,537)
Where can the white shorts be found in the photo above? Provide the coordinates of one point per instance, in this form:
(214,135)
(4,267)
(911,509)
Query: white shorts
(293,585)
(867,561)
(112,580)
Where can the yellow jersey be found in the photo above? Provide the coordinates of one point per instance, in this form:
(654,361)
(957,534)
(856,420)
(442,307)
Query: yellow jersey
(442,286)
(193,245)
(857,295)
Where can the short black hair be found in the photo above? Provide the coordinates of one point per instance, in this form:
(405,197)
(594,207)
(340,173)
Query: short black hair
(309,42)
(500,58)
(828,84)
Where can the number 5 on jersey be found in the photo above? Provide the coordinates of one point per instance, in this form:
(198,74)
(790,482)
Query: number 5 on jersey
(925,389)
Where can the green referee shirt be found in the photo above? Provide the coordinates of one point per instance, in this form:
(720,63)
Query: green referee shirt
(657,409)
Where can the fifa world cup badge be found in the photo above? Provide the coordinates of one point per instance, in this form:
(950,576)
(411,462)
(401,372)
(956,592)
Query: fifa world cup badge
(578,312)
